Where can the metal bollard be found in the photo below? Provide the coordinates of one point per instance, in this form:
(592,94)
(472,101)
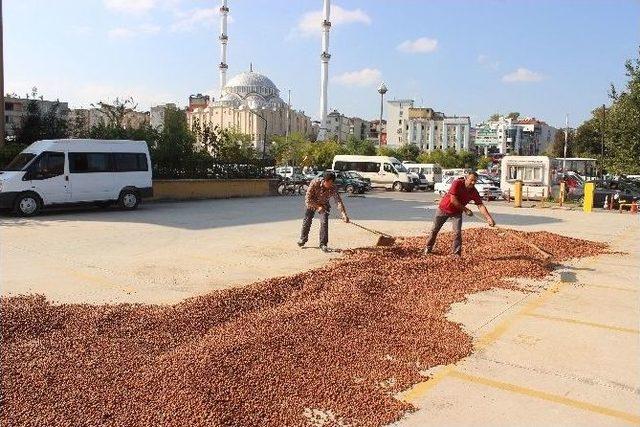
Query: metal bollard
(589,192)
(517,194)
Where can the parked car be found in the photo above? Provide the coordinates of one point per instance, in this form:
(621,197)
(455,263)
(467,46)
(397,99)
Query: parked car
(355,175)
(74,171)
(487,189)
(347,184)
(615,190)
(443,187)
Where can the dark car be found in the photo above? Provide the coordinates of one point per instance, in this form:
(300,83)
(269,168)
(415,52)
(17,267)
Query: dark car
(358,177)
(618,191)
(347,184)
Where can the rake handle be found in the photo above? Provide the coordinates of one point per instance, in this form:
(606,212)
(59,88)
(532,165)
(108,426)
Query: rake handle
(520,239)
(369,230)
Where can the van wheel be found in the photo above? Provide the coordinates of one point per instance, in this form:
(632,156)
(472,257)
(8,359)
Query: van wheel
(27,204)
(397,186)
(128,200)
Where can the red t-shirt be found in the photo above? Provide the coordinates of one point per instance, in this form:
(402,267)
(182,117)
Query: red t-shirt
(462,193)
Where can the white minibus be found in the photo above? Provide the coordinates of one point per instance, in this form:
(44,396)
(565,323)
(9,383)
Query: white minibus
(62,171)
(431,171)
(533,171)
(383,171)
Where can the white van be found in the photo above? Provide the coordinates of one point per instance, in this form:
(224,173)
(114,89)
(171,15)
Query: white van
(431,171)
(383,171)
(56,172)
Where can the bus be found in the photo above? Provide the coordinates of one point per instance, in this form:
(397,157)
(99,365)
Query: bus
(583,166)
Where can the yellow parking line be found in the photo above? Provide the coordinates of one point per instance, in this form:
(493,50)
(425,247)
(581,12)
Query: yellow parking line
(420,389)
(585,406)
(503,326)
(582,322)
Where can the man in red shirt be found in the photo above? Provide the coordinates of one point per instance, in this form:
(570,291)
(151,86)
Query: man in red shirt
(452,205)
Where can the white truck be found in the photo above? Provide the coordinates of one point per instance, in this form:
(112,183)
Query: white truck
(76,171)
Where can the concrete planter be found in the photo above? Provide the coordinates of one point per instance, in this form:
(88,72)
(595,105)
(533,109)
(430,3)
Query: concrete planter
(190,189)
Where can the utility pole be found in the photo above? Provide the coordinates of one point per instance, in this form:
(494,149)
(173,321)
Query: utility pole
(566,137)
(2,123)
(604,113)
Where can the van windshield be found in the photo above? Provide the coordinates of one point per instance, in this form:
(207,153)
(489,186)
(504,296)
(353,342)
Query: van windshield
(19,162)
(399,167)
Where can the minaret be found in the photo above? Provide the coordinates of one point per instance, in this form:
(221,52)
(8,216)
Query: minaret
(324,70)
(224,11)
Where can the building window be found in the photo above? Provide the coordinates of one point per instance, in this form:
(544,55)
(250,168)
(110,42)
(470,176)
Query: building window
(400,122)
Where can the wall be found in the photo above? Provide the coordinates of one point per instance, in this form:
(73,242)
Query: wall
(186,189)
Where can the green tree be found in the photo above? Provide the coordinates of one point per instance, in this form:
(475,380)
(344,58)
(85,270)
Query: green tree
(385,150)
(324,152)
(37,124)
(408,152)
(484,163)
(360,146)
(513,115)
(494,117)
(557,147)
(622,139)
(291,150)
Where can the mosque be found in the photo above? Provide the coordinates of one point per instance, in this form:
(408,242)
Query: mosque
(249,103)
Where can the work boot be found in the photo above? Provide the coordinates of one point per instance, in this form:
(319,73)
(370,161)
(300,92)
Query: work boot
(301,242)
(325,248)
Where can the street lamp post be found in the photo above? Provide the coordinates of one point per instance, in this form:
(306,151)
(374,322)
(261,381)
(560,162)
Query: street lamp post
(382,89)
(253,111)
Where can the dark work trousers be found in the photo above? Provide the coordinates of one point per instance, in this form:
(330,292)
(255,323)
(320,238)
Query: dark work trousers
(438,222)
(324,225)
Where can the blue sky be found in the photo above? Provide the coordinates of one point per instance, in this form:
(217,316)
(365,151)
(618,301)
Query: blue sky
(543,58)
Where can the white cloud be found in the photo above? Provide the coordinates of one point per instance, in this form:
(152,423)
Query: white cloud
(522,75)
(421,45)
(309,23)
(364,77)
(130,6)
(126,33)
(488,62)
(203,17)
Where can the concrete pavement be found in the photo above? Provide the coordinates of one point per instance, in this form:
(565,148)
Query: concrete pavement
(568,356)
(564,355)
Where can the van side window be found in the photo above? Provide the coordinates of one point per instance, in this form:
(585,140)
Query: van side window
(389,168)
(48,165)
(89,162)
(342,166)
(372,167)
(132,162)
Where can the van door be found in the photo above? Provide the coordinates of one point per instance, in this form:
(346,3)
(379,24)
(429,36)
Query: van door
(47,177)
(92,176)
(387,174)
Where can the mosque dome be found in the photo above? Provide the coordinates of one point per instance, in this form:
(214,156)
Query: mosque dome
(248,83)
(252,90)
